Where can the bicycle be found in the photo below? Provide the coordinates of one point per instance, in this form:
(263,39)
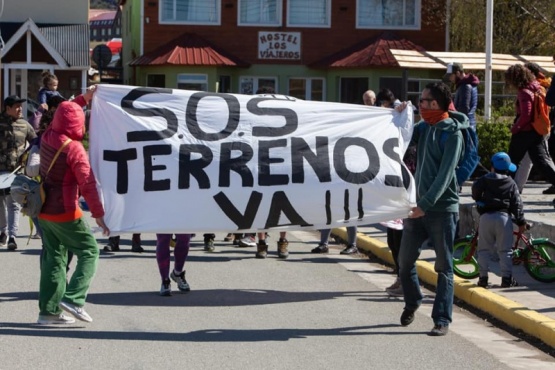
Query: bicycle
(537,255)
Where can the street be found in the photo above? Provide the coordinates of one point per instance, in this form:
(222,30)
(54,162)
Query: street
(309,311)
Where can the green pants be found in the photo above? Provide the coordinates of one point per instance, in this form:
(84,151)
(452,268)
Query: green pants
(59,238)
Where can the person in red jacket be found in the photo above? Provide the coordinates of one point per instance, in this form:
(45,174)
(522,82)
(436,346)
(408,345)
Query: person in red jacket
(524,137)
(61,218)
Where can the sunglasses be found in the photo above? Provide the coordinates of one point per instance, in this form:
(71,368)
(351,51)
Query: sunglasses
(423,100)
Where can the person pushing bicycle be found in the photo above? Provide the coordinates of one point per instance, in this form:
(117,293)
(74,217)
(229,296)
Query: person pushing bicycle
(498,202)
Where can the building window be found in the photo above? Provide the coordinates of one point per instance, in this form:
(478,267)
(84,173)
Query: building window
(309,13)
(307,88)
(156,80)
(352,88)
(395,84)
(190,11)
(94,32)
(109,32)
(249,85)
(224,84)
(388,14)
(260,12)
(103,32)
(189,81)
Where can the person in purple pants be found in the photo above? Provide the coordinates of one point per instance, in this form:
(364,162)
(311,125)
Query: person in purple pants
(163,257)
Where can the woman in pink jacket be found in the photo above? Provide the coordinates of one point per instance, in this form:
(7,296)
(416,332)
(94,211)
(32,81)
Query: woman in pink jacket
(525,138)
(61,221)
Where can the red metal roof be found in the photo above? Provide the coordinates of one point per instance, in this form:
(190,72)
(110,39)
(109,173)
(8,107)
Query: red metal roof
(373,52)
(189,49)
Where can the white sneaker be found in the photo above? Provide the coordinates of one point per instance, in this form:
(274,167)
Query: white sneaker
(395,290)
(60,319)
(78,312)
(396,284)
(180,280)
(166,288)
(248,241)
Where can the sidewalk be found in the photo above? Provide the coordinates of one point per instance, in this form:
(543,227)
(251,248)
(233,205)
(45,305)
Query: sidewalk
(529,307)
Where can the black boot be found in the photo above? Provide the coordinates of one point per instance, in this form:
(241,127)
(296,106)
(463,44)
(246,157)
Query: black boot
(113,244)
(136,244)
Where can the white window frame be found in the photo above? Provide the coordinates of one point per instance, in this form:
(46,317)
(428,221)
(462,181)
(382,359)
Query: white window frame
(193,78)
(328,17)
(417,20)
(279,12)
(216,22)
(308,88)
(255,84)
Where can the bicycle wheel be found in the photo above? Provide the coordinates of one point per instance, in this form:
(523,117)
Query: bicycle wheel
(540,262)
(463,266)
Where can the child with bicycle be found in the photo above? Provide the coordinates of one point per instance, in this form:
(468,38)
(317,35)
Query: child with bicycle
(498,200)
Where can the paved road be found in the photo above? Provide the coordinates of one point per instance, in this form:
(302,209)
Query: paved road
(308,312)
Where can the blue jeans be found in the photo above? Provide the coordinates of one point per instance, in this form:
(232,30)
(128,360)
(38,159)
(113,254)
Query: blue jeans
(439,227)
(351,236)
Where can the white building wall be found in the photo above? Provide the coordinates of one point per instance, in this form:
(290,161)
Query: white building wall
(46,11)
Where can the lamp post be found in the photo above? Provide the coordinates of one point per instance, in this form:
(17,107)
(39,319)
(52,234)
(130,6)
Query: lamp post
(488,77)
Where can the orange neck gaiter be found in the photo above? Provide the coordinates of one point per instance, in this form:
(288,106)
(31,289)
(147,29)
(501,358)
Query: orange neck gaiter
(433,116)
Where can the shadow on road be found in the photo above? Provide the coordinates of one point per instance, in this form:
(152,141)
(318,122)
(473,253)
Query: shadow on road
(210,335)
(221,297)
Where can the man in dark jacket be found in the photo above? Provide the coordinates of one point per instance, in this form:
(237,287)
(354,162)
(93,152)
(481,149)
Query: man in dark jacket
(466,94)
(15,134)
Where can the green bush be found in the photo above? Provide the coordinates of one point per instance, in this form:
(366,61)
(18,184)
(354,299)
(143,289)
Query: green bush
(493,137)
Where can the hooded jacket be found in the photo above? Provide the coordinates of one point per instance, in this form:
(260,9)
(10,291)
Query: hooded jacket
(437,159)
(524,105)
(466,97)
(14,136)
(496,192)
(71,173)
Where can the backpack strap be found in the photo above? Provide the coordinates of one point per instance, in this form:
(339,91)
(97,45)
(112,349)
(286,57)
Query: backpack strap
(56,155)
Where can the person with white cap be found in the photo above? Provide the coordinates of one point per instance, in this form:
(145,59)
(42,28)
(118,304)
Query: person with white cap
(498,200)
(466,94)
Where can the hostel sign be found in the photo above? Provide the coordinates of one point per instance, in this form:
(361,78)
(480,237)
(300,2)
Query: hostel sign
(279,45)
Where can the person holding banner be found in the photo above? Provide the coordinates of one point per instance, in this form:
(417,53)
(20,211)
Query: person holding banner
(439,147)
(61,219)
(325,234)
(282,244)
(15,134)
(369,98)
(163,257)
(386,99)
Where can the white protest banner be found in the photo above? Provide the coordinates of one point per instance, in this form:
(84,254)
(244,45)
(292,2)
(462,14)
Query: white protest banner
(177,161)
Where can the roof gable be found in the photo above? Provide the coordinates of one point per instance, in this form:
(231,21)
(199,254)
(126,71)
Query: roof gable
(191,50)
(67,44)
(373,52)
(29,25)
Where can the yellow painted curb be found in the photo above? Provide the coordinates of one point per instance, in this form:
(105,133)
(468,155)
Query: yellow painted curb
(506,310)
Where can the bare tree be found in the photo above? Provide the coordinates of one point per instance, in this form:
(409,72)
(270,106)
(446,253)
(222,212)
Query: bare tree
(520,26)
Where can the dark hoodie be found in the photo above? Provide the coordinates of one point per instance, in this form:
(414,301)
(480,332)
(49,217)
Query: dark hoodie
(466,97)
(71,173)
(495,192)
(524,105)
